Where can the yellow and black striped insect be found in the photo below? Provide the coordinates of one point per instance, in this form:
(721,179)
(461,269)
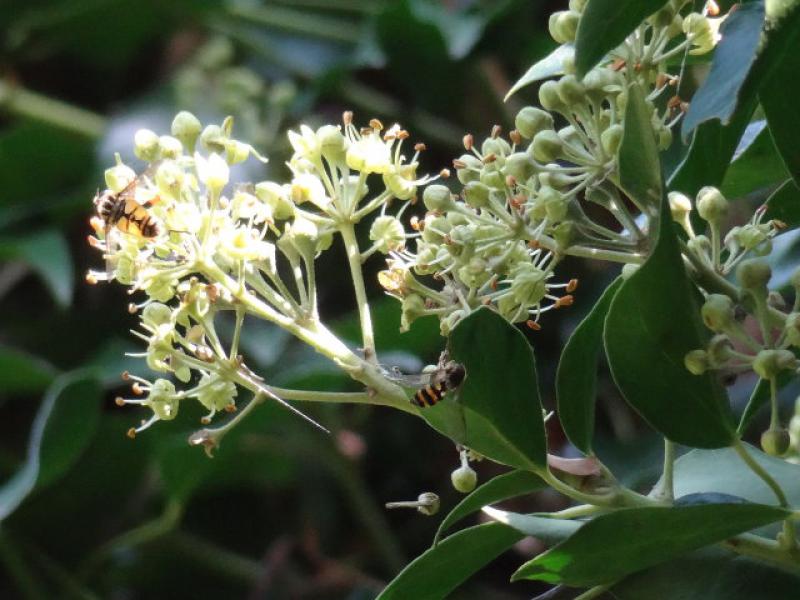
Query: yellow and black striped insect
(123,211)
(435,384)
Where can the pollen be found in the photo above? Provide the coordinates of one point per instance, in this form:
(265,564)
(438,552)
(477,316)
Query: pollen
(567,300)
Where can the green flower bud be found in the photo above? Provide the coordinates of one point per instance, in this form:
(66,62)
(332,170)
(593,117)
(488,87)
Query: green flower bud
(718,312)
(610,139)
(754,274)
(699,245)
(437,198)
(571,91)
(476,194)
(629,269)
(428,504)
(775,442)
(145,145)
(464,479)
(169,147)
(679,206)
(186,127)
(493,178)
(531,120)
(601,81)
(277,198)
(769,363)
(711,204)
(719,350)
(520,166)
(549,98)
(213,138)
(471,171)
(563,25)
(792,329)
(696,362)
(698,29)
(388,233)
(333,144)
(546,146)
(497,146)
(304,236)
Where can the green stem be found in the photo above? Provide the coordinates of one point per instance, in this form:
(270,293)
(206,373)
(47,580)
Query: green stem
(748,544)
(666,490)
(24,103)
(354,258)
(620,496)
(761,472)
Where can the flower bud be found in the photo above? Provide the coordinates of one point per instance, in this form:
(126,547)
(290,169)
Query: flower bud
(464,479)
(437,198)
(277,198)
(169,147)
(186,127)
(531,120)
(611,138)
(213,138)
(718,312)
(769,362)
(497,146)
(754,274)
(428,504)
(519,165)
(679,205)
(698,29)
(493,178)
(549,98)
(571,91)
(304,236)
(711,204)
(719,350)
(388,234)
(145,145)
(792,329)
(563,25)
(476,194)
(470,171)
(556,206)
(546,146)
(775,442)
(696,362)
(333,144)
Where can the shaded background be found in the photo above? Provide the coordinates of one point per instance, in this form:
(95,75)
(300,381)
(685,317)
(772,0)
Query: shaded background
(282,511)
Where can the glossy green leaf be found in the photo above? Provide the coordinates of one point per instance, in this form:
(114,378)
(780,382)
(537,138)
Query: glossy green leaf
(756,167)
(47,253)
(779,92)
(23,373)
(64,426)
(784,204)
(616,544)
(546,529)
(441,569)
(646,349)
(718,97)
(502,487)
(550,66)
(639,165)
(576,378)
(497,410)
(709,574)
(604,25)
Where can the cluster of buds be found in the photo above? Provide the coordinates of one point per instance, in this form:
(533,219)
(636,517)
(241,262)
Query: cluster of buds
(198,247)
(753,333)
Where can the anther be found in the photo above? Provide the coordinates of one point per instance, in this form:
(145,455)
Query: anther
(136,388)
(376,124)
(132,308)
(420,147)
(404,135)
(444,173)
(132,432)
(91,279)
(458,164)
(511,181)
(565,301)
(347,117)
(468,141)
(230,408)
(712,8)
(205,420)
(515,137)
(125,375)
(531,324)
(119,401)
(496,131)
(490,158)
(572,285)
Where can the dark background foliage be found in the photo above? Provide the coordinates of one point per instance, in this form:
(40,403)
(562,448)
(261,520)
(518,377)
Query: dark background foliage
(282,510)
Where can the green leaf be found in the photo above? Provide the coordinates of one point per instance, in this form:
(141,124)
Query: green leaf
(779,91)
(549,66)
(47,253)
(784,204)
(442,568)
(709,574)
(64,426)
(639,165)
(502,487)
(576,378)
(547,529)
(604,25)
(497,410)
(23,373)
(718,97)
(631,539)
(653,322)
(757,166)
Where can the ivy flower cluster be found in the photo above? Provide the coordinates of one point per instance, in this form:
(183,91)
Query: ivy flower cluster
(247,249)
(547,190)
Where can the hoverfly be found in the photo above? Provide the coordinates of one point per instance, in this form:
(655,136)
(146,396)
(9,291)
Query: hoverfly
(446,377)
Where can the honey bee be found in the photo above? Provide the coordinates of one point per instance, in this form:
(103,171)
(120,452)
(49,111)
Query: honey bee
(123,211)
(446,377)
